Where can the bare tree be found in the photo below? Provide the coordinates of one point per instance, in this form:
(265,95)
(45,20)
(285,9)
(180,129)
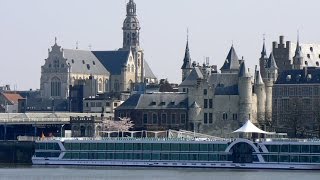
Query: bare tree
(124,124)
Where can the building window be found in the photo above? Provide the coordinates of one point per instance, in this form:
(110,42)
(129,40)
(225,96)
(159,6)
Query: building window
(183,118)
(184,89)
(210,118)
(87,104)
(116,86)
(235,117)
(145,118)
(210,103)
(205,103)
(163,118)
(205,118)
(173,118)
(154,118)
(55,87)
(205,92)
(225,116)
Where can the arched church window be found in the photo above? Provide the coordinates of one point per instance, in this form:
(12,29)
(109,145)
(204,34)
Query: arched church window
(133,35)
(100,89)
(49,65)
(55,87)
(116,86)
(107,85)
(128,68)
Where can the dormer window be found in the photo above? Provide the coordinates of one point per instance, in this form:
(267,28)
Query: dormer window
(288,78)
(88,66)
(83,62)
(94,63)
(153,103)
(306,63)
(308,55)
(162,103)
(298,77)
(311,49)
(309,77)
(172,103)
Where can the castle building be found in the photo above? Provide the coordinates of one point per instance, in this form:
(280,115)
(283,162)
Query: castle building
(114,71)
(225,99)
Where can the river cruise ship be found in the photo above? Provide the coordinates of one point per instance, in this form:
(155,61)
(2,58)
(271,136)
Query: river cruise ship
(179,152)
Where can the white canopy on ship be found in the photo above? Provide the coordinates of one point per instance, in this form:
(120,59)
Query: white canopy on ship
(248,127)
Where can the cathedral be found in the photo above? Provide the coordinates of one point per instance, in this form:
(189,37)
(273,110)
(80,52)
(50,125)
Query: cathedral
(227,99)
(113,71)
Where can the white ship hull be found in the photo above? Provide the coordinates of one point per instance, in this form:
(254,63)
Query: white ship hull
(40,161)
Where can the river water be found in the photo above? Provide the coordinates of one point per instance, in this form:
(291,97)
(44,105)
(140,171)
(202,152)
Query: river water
(124,173)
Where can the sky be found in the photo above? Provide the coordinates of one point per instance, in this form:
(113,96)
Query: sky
(28,29)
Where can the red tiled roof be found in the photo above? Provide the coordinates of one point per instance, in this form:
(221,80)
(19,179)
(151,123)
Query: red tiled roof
(12,97)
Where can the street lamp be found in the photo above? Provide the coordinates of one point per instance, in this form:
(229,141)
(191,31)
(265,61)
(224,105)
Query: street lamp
(61,129)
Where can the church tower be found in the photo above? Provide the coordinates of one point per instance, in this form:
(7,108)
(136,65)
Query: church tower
(131,27)
(131,40)
(187,64)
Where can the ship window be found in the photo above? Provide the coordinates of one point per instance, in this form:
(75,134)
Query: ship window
(174,157)
(183,156)
(110,146)
(193,157)
(222,147)
(127,156)
(285,148)
(203,157)
(84,146)
(67,156)
(304,159)
(315,149)
(213,157)
(266,158)
(294,158)
(119,146)
(156,147)
(273,158)
(155,156)
(223,158)
(128,146)
(75,155)
(175,147)
(83,155)
(110,156)
(284,158)
(295,148)
(41,146)
(184,147)
(75,146)
(101,155)
(137,146)
(165,147)
(194,147)
(92,155)
(137,156)
(93,146)
(305,149)
(118,156)
(273,148)
(203,147)
(146,156)
(101,146)
(315,159)
(146,146)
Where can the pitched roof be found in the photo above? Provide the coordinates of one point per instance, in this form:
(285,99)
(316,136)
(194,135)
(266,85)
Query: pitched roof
(148,72)
(232,61)
(299,76)
(156,101)
(13,98)
(192,78)
(113,61)
(244,71)
(271,63)
(187,59)
(82,61)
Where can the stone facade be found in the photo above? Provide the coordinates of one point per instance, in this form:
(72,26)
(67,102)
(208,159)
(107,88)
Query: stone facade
(226,100)
(114,71)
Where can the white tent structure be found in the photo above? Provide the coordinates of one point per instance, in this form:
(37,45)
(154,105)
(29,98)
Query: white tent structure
(248,127)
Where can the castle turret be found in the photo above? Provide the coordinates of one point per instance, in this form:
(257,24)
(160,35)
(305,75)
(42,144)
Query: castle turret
(263,60)
(298,57)
(259,90)
(245,93)
(272,75)
(187,63)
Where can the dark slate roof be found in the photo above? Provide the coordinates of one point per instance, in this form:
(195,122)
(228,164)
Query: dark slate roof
(264,51)
(192,78)
(148,72)
(297,76)
(83,62)
(156,101)
(113,61)
(228,90)
(244,71)
(187,64)
(272,62)
(232,61)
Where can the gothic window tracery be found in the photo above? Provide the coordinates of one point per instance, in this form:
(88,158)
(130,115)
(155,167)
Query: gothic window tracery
(55,87)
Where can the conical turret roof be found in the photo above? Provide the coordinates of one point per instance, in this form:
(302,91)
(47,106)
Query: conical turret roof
(272,62)
(258,78)
(232,61)
(187,59)
(244,71)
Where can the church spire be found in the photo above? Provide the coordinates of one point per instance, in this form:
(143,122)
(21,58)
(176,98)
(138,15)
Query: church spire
(187,59)
(264,51)
(131,27)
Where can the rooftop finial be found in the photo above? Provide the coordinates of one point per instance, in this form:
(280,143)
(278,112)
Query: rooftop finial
(77,44)
(55,40)
(298,38)
(187,34)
